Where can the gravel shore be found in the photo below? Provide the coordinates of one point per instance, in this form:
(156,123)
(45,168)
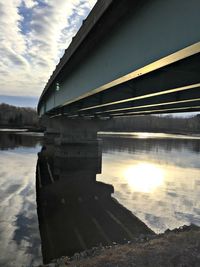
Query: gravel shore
(175,248)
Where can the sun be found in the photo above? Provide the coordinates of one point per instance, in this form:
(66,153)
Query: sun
(144,177)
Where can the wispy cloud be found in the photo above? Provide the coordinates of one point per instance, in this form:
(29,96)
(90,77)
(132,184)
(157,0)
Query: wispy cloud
(18,218)
(34,34)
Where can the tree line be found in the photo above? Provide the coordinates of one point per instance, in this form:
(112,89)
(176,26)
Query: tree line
(156,124)
(13,116)
(17,116)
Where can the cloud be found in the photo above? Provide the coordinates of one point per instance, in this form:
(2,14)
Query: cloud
(34,35)
(19,236)
(29,3)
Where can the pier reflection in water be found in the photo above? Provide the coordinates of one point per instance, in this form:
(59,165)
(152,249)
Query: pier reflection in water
(75,211)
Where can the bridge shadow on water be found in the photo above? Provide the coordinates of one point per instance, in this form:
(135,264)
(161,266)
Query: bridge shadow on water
(75,211)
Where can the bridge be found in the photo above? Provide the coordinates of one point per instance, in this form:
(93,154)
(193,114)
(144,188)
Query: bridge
(129,58)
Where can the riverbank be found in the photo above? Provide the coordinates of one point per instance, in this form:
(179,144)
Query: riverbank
(143,134)
(179,247)
(151,134)
(20,129)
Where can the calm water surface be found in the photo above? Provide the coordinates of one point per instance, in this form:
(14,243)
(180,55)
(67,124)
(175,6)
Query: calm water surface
(19,235)
(156,176)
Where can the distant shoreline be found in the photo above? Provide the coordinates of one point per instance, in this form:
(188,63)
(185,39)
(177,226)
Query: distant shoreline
(147,134)
(7,128)
(107,133)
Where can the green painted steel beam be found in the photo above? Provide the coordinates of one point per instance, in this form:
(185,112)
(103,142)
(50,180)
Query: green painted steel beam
(131,39)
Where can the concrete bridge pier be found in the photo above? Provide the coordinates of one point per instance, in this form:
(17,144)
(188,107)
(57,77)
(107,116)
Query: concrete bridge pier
(61,130)
(77,130)
(77,139)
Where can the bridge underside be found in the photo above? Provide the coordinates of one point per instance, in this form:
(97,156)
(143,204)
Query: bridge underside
(129,58)
(174,88)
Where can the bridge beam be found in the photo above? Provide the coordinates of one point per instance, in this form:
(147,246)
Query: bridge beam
(130,41)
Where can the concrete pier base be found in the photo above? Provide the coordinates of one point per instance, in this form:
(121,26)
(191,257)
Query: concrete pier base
(64,130)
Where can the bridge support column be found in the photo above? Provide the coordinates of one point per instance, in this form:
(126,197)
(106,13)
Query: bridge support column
(64,130)
(78,130)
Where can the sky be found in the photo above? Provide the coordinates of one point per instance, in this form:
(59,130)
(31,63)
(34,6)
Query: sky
(33,37)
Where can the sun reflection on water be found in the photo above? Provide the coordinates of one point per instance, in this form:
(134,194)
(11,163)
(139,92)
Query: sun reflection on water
(144,177)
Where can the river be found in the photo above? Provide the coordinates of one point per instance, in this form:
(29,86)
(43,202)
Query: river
(155,176)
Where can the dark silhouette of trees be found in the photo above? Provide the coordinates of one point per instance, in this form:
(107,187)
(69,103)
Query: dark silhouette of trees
(27,117)
(17,116)
(156,124)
